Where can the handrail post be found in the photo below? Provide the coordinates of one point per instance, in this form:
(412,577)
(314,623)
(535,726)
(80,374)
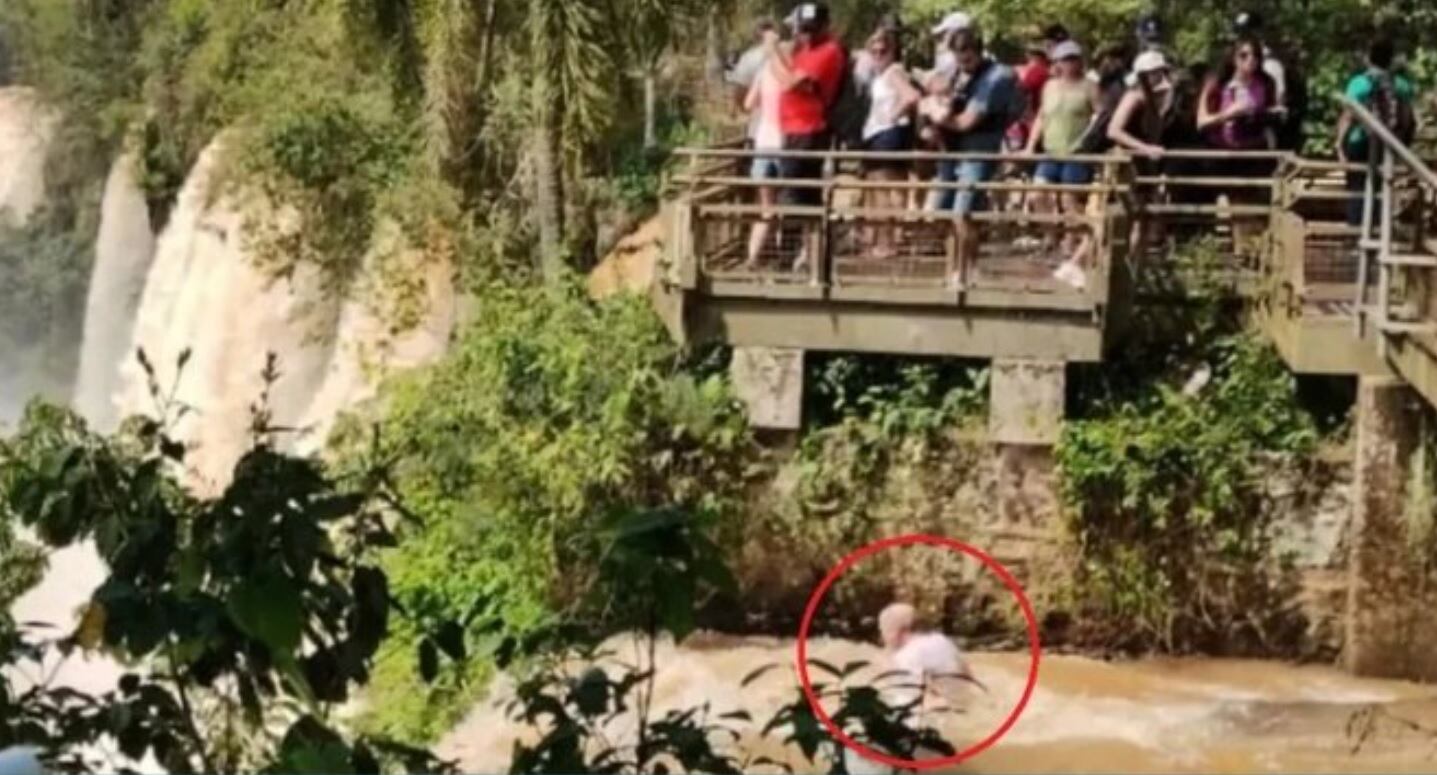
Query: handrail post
(823,256)
(1384,249)
(1365,237)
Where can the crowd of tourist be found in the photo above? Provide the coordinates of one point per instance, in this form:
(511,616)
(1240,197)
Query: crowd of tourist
(1062,105)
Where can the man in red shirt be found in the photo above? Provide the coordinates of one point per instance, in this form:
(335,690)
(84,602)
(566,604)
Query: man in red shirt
(812,77)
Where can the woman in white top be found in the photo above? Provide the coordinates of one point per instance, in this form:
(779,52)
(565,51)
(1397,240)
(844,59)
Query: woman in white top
(889,129)
(762,102)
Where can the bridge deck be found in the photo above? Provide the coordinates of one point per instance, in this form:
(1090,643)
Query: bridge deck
(866,266)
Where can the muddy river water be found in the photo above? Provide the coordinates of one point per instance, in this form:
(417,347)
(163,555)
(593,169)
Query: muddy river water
(1086,715)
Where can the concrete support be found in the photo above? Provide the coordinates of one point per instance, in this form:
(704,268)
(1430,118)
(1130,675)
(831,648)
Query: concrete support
(1390,628)
(770,381)
(1026,400)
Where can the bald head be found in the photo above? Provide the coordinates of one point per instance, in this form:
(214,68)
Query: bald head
(895,623)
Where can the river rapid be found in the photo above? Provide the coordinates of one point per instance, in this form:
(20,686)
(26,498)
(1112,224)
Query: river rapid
(1086,715)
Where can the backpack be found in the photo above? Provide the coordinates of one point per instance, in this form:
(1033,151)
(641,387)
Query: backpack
(1095,139)
(1290,133)
(849,111)
(1394,112)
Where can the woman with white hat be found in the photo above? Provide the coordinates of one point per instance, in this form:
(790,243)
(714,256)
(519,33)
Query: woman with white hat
(1138,126)
(1141,117)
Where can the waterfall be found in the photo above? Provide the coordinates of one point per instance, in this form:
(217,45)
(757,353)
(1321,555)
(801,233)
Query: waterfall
(124,250)
(25,132)
(205,296)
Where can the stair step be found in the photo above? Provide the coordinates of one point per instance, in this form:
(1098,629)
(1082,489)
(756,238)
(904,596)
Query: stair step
(1411,259)
(1407,327)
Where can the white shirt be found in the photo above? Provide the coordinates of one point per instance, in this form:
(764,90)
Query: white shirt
(884,100)
(933,659)
(1273,67)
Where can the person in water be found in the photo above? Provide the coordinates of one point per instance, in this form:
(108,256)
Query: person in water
(931,658)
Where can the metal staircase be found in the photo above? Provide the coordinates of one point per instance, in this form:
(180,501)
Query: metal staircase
(1393,247)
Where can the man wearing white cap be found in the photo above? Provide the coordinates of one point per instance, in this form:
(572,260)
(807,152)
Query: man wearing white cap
(974,122)
(811,77)
(945,62)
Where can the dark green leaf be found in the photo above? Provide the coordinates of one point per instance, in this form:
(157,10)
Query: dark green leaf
(267,608)
(450,638)
(756,674)
(591,692)
(428,660)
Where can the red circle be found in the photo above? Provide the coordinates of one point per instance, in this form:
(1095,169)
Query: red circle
(1034,647)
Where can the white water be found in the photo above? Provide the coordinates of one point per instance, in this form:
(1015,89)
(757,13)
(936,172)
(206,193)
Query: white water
(1200,715)
(195,288)
(205,296)
(25,132)
(124,251)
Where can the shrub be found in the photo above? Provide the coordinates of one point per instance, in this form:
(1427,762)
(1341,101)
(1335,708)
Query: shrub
(548,410)
(1168,504)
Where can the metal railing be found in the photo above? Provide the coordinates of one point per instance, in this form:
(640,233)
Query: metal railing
(1399,250)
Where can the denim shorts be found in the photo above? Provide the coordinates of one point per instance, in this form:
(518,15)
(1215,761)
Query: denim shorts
(970,200)
(1067,173)
(763,168)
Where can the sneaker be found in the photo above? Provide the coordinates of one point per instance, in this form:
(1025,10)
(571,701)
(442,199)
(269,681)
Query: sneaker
(1072,275)
(1027,243)
(801,263)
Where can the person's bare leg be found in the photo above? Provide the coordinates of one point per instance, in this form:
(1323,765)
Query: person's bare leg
(1072,206)
(761,228)
(967,249)
(889,200)
(1046,203)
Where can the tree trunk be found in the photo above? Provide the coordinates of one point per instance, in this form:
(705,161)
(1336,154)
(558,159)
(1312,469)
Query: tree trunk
(713,47)
(651,107)
(549,181)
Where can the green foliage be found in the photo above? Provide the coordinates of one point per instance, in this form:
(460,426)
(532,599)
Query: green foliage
(1167,483)
(658,567)
(246,618)
(869,416)
(555,411)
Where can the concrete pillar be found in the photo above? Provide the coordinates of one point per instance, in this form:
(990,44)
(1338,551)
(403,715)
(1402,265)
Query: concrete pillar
(769,380)
(1025,420)
(1392,587)
(1025,405)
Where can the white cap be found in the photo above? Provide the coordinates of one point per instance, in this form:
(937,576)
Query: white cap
(803,12)
(1149,62)
(1068,49)
(954,22)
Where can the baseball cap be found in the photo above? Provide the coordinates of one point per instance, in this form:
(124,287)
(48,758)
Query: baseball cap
(954,22)
(1068,49)
(1247,21)
(1150,29)
(805,14)
(1150,61)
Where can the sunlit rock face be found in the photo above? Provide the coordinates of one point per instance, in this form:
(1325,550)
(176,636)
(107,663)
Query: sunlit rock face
(292,343)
